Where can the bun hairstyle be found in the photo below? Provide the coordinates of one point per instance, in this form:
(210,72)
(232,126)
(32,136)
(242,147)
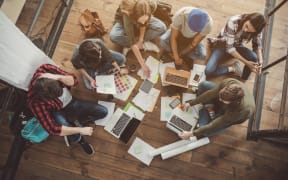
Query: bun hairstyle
(90,54)
(233,93)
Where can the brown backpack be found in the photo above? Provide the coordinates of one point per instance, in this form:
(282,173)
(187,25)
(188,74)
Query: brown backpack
(91,25)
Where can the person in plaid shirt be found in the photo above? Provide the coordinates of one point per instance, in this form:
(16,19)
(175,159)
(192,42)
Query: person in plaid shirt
(50,101)
(92,57)
(238,30)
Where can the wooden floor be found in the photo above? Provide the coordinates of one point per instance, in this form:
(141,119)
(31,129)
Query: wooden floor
(228,156)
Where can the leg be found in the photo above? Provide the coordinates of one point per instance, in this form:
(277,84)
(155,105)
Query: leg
(118,35)
(85,111)
(120,58)
(164,41)
(205,86)
(199,52)
(250,56)
(60,119)
(155,29)
(212,65)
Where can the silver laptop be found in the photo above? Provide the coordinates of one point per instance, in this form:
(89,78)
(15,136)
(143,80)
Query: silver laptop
(121,125)
(181,121)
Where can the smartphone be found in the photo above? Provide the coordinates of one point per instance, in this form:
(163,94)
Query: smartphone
(196,78)
(174,103)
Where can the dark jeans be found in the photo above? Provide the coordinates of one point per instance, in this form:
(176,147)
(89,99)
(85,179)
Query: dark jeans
(204,117)
(220,54)
(84,111)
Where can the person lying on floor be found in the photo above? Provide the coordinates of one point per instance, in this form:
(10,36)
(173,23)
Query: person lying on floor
(50,101)
(233,104)
(92,57)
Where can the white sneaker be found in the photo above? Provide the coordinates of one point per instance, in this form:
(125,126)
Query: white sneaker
(237,69)
(149,46)
(125,51)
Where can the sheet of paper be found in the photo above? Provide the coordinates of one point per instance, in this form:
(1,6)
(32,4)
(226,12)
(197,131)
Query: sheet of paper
(110,107)
(185,148)
(134,111)
(149,99)
(166,110)
(105,84)
(171,146)
(154,66)
(140,150)
(162,70)
(125,95)
(194,109)
(199,70)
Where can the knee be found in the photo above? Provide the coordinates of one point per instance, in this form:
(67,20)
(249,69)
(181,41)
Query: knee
(103,111)
(209,71)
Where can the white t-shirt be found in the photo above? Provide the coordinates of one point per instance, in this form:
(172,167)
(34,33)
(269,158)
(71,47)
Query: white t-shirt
(179,22)
(66,97)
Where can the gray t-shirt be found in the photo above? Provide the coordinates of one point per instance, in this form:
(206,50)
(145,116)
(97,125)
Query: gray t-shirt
(179,22)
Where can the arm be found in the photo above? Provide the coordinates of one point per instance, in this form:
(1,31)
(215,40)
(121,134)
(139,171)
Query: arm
(142,31)
(196,40)
(76,130)
(141,61)
(67,80)
(174,46)
(87,76)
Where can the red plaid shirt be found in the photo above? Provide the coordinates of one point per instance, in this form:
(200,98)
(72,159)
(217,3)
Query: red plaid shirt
(42,109)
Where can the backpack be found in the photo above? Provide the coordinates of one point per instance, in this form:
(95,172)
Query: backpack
(91,24)
(163,12)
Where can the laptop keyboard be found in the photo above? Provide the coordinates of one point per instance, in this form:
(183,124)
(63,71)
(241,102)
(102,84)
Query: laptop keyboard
(120,124)
(176,79)
(129,130)
(180,123)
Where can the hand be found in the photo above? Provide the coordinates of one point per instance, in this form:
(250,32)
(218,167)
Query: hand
(178,63)
(146,70)
(185,134)
(93,84)
(185,107)
(253,66)
(86,131)
(123,71)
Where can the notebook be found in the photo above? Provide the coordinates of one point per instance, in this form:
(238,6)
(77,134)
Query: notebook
(175,77)
(122,125)
(181,121)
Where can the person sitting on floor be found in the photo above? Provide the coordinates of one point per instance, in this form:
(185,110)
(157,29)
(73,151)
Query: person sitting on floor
(229,44)
(233,104)
(92,57)
(50,102)
(189,27)
(135,24)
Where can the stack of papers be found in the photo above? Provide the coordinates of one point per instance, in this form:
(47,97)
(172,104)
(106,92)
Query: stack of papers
(194,109)
(154,66)
(197,74)
(110,107)
(134,111)
(105,84)
(125,95)
(166,110)
(146,101)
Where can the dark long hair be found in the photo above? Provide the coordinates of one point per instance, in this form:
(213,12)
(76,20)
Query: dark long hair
(257,20)
(90,54)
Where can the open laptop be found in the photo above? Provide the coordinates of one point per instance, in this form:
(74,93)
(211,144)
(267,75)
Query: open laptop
(176,77)
(181,121)
(122,125)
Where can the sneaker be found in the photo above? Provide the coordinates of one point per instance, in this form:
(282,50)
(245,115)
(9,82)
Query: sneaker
(88,148)
(125,51)
(237,68)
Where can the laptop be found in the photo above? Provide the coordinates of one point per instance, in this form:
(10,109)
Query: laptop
(122,125)
(181,121)
(176,77)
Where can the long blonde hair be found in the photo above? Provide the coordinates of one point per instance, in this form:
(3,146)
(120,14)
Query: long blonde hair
(135,8)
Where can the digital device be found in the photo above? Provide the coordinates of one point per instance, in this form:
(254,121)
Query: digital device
(181,121)
(122,126)
(146,86)
(176,77)
(174,103)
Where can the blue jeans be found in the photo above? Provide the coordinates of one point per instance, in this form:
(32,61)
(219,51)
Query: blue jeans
(219,54)
(204,117)
(120,59)
(155,28)
(84,111)
(198,53)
